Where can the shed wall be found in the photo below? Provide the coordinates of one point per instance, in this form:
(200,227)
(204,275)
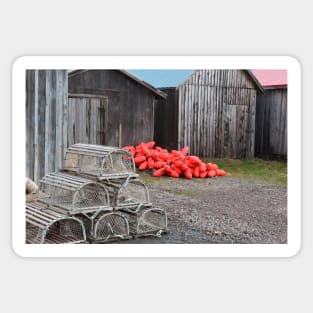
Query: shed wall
(130,105)
(271,124)
(166,120)
(217,114)
(46,121)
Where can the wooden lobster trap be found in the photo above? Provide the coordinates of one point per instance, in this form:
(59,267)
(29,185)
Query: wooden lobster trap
(45,226)
(146,221)
(73,194)
(101,162)
(129,193)
(102,227)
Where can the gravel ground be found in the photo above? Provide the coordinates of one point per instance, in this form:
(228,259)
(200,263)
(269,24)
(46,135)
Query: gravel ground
(220,210)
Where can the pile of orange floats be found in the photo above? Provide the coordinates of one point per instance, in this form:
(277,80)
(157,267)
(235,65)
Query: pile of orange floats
(174,164)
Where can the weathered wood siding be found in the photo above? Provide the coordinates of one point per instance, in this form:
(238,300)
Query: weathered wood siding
(46,121)
(87,119)
(130,109)
(271,123)
(166,119)
(217,113)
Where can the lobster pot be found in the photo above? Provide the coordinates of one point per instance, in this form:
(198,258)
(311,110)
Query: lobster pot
(132,194)
(45,226)
(147,222)
(105,227)
(99,161)
(72,194)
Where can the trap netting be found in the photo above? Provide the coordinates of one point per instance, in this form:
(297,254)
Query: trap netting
(99,161)
(104,227)
(72,194)
(45,226)
(146,221)
(129,193)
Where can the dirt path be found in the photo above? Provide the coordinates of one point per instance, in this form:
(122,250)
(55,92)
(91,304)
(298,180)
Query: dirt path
(220,210)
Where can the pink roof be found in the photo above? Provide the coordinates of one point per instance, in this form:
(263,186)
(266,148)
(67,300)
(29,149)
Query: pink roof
(271,78)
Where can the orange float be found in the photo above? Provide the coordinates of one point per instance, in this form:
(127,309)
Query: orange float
(176,163)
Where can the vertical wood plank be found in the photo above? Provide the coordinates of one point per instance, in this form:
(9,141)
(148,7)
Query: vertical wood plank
(204,118)
(208,115)
(59,112)
(253,111)
(50,122)
(40,166)
(188,113)
(30,123)
(185,121)
(64,87)
(285,125)
(93,107)
(215,122)
(47,123)
(36,138)
(179,92)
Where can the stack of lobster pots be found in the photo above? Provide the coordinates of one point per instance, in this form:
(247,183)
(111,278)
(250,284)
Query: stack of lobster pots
(96,198)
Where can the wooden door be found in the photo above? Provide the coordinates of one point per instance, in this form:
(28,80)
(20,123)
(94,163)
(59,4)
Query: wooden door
(87,119)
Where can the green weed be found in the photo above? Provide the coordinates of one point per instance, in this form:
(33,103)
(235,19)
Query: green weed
(270,171)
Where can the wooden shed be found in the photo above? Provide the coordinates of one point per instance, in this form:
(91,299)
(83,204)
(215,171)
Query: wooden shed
(212,112)
(46,111)
(109,107)
(271,115)
(119,108)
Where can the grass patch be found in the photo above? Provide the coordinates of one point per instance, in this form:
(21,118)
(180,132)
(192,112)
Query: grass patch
(270,171)
(256,169)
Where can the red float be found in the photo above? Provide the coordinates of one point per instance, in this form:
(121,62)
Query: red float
(174,164)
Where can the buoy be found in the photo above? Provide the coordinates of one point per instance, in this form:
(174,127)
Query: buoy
(212,173)
(159,164)
(196,172)
(174,174)
(203,174)
(220,172)
(158,172)
(150,144)
(139,159)
(174,164)
(151,163)
(202,167)
(188,174)
(143,165)
(185,150)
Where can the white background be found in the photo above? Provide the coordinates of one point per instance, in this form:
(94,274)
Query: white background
(175,250)
(152,28)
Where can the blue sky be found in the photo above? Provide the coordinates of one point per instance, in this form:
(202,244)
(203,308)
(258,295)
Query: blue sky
(162,78)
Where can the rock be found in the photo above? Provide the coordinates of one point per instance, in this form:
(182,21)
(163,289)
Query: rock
(30,186)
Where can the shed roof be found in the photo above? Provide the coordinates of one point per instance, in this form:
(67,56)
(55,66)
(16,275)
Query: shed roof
(174,78)
(252,76)
(161,78)
(271,78)
(156,91)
